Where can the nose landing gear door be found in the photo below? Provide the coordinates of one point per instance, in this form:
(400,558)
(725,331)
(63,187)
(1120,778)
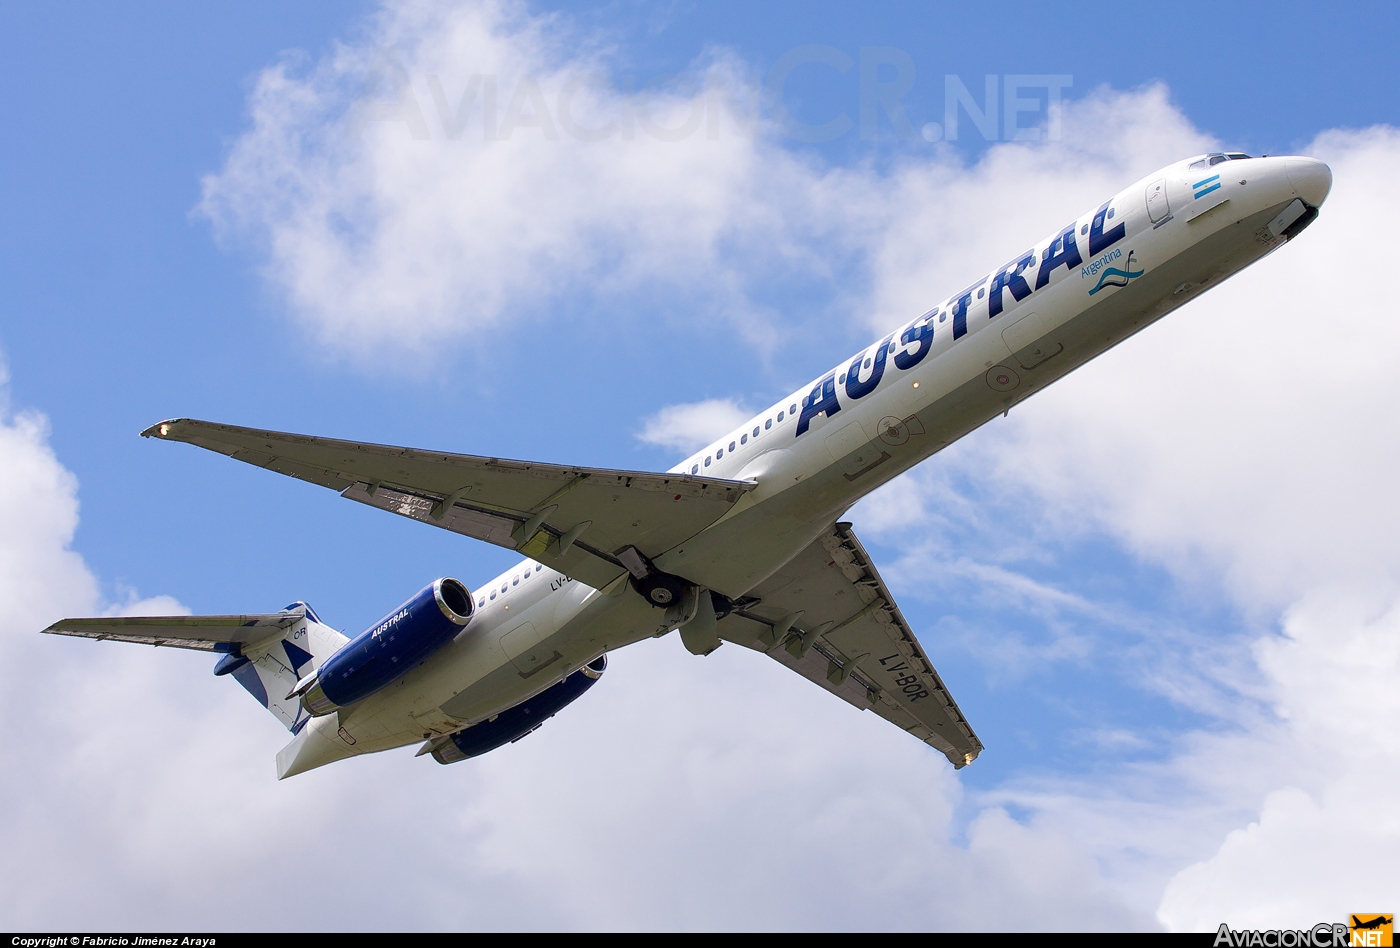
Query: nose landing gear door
(1157,207)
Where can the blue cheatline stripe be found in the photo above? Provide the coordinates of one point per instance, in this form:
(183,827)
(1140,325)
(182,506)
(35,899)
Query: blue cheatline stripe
(1214,177)
(1213,187)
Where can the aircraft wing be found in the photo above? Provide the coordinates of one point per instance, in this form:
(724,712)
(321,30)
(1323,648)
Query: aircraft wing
(580,521)
(829,617)
(206,633)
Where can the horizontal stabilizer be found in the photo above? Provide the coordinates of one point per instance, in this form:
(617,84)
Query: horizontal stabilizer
(207,633)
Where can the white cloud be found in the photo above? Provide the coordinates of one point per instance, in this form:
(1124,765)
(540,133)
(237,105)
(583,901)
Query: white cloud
(389,223)
(37,570)
(1334,759)
(691,426)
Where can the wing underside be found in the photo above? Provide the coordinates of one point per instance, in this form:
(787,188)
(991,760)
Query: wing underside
(829,617)
(573,519)
(205,633)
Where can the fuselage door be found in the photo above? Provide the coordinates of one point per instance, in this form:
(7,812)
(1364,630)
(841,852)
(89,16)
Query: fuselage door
(1157,207)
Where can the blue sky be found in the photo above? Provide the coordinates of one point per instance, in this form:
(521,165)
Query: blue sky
(187,233)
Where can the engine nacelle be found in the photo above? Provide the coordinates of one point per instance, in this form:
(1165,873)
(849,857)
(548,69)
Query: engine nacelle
(514,723)
(390,647)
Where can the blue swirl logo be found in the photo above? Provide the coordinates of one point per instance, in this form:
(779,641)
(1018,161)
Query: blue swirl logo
(1112,276)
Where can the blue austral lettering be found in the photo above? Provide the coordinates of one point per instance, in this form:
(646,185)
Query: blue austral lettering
(958,307)
(1009,278)
(822,399)
(854,386)
(1098,240)
(1062,252)
(919,331)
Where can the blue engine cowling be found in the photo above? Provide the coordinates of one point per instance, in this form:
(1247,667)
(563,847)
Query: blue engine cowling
(513,724)
(390,647)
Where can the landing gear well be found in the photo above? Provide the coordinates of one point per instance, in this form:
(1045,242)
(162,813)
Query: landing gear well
(660,589)
(664,590)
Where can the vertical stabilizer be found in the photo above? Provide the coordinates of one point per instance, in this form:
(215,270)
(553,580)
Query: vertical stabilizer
(270,669)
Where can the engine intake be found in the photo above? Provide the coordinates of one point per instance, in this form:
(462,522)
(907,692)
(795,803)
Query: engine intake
(392,646)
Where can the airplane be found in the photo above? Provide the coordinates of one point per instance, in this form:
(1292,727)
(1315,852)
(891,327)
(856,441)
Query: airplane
(1378,921)
(743,542)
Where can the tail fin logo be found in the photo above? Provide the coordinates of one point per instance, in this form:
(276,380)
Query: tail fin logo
(296,655)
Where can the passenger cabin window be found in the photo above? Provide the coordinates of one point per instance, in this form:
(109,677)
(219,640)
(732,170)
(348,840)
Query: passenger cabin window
(515,581)
(694,468)
(780,416)
(731,447)
(719,454)
(755,431)
(493,594)
(707,462)
(768,424)
(481,603)
(538,567)
(792,410)
(744,439)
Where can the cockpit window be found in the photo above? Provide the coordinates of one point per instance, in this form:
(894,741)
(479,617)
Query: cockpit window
(1217,158)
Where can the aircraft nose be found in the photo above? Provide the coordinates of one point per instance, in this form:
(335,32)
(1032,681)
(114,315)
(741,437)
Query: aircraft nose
(1312,179)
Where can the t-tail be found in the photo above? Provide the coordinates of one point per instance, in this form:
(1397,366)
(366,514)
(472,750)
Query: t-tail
(266,654)
(296,666)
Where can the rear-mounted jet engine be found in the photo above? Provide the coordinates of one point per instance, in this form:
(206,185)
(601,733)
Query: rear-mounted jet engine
(387,649)
(514,723)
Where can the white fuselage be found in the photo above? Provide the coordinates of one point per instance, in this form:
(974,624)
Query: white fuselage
(822,448)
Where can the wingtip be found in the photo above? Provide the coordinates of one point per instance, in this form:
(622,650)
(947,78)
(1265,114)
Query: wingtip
(161,429)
